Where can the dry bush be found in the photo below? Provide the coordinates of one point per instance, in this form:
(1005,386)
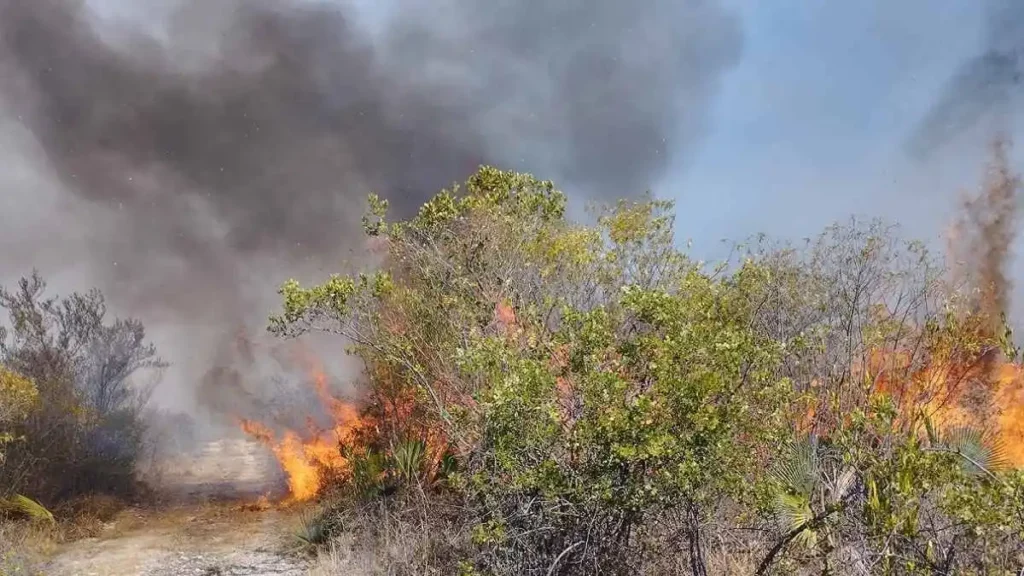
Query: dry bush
(25,546)
(85,431)
(401,535)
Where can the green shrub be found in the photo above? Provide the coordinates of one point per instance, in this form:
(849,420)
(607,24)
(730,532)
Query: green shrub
(615,407)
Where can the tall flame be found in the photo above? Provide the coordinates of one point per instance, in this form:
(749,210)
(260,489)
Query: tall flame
(311,459)
(944,393)
(1009,420)
(959,384)
(989,391)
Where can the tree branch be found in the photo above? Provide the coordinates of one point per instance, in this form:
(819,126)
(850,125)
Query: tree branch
(554,564)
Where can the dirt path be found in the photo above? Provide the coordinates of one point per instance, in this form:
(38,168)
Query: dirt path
(208,540)
(209,527)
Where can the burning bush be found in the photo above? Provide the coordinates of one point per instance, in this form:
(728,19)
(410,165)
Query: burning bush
(614,406)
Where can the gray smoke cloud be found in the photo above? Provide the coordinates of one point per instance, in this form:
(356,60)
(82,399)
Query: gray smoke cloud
(987,87)
(236,148)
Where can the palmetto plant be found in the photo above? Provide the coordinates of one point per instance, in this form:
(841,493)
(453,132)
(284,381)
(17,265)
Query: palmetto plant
(368,472)
(811,482)
(408,457)
(813,485)
(979,451)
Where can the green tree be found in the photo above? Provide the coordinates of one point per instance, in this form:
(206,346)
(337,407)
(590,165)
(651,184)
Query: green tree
(589,377)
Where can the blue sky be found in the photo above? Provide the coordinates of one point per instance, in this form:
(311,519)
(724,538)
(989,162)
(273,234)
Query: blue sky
(809,127)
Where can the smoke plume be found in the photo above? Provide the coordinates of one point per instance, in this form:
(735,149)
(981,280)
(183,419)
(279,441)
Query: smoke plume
(986,87)
(236,148)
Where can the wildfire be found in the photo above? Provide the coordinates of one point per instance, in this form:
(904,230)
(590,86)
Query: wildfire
(310,460)
(989,398)
(983,390)
(965,380)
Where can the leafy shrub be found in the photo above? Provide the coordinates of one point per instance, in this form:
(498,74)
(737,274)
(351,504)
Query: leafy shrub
(611,406)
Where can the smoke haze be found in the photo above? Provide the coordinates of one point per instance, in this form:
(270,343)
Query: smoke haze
(188,166)
(986,88)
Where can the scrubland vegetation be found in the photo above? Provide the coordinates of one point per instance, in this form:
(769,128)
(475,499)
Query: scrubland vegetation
(543,396)
(549,397)
(71,427)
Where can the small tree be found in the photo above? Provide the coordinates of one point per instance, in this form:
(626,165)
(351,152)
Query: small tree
(85,433)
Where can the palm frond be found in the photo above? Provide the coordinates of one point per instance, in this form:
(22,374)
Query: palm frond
(798,469)
(368,472)
(980,452)
(408,458)
(798,475)
(794,511)
(31,508)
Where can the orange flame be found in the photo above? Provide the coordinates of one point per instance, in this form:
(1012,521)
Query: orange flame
(989,395)
(983,390)
(1009,418)
(311,460)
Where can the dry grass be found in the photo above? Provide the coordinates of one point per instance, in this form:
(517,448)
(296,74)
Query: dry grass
(408,552)
(732,564)
(341,558)
(27,544)
(24,546)
(402,554)
(395,538)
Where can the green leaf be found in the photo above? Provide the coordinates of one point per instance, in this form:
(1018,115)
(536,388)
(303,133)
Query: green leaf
(980,451)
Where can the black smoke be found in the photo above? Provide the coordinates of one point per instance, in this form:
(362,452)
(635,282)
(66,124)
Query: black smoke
(252,132)
(986,87)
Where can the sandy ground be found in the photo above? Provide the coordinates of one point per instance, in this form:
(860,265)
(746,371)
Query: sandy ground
(204,539)
(231,468)
(208,525)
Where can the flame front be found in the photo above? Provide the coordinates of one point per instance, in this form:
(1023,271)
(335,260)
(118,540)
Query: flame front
(1009,418)
(310,460)
(989,396)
